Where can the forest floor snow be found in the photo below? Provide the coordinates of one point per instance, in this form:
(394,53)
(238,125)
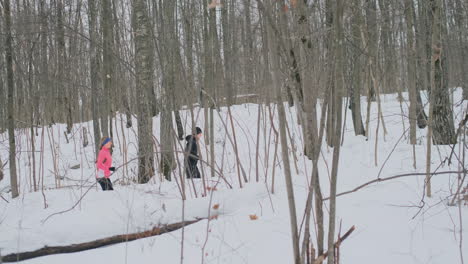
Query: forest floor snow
(395,222)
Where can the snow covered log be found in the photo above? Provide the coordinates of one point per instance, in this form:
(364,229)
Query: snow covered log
(45,251)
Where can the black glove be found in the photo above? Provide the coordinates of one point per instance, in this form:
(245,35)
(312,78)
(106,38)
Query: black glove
(112,168)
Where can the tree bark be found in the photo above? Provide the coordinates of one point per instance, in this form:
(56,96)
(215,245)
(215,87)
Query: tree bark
(94,69)
(338,73)
(169,84)
(47,251)
(356,83)
(274,73)
(460,17)
(411,66)
(442,114)
(144,84)
(11,89)
(107,72)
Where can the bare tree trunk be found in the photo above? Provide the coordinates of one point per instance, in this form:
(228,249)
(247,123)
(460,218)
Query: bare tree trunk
(63,88)
(45,89)
(442,115)
(331,122)
(94,69)
(274,73)
(10,84)
(144,83)
(107,67)
(249,50)
(339,70)
(388,60)
(411,64)
(168,163)
(355,86)
(460,20)
(287,169)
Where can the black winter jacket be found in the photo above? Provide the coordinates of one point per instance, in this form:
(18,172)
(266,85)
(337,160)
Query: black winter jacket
(191,148)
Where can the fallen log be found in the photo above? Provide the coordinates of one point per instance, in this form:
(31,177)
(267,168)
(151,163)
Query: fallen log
(45,251)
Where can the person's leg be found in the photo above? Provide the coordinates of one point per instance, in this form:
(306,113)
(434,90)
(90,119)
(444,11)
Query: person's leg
(196,172)
(109,185)
(102,183)
(192,165)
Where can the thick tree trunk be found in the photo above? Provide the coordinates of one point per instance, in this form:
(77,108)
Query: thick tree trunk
(442,115)
(10,84)
(169,84)
(144,84)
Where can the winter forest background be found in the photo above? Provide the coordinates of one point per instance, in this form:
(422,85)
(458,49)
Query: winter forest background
(333,131)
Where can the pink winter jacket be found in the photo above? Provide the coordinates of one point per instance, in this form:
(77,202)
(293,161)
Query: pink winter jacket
(103,163)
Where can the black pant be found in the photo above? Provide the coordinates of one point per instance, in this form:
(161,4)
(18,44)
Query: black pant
(106,184)
(192,169)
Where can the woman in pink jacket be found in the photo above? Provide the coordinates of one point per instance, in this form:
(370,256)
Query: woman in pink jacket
(104,165)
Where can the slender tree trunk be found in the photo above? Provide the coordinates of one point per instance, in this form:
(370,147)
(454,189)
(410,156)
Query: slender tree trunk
(249,68)
(107,67)
(339,70)
(274,73)
(331,122)
(411,64)
(355,86)
(44,61)
(94,69)
(11,88)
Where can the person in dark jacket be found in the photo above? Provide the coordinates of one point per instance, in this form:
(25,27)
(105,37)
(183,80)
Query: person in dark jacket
(191,154)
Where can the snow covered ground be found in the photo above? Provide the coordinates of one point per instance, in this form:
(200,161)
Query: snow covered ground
(394,221)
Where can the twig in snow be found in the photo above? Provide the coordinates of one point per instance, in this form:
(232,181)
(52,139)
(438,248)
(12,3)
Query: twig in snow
(393,177)
(4,199)
(73,207)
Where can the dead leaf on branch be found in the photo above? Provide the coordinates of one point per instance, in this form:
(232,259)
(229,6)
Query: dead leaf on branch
(214,4)
(253,217)
(211,188)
